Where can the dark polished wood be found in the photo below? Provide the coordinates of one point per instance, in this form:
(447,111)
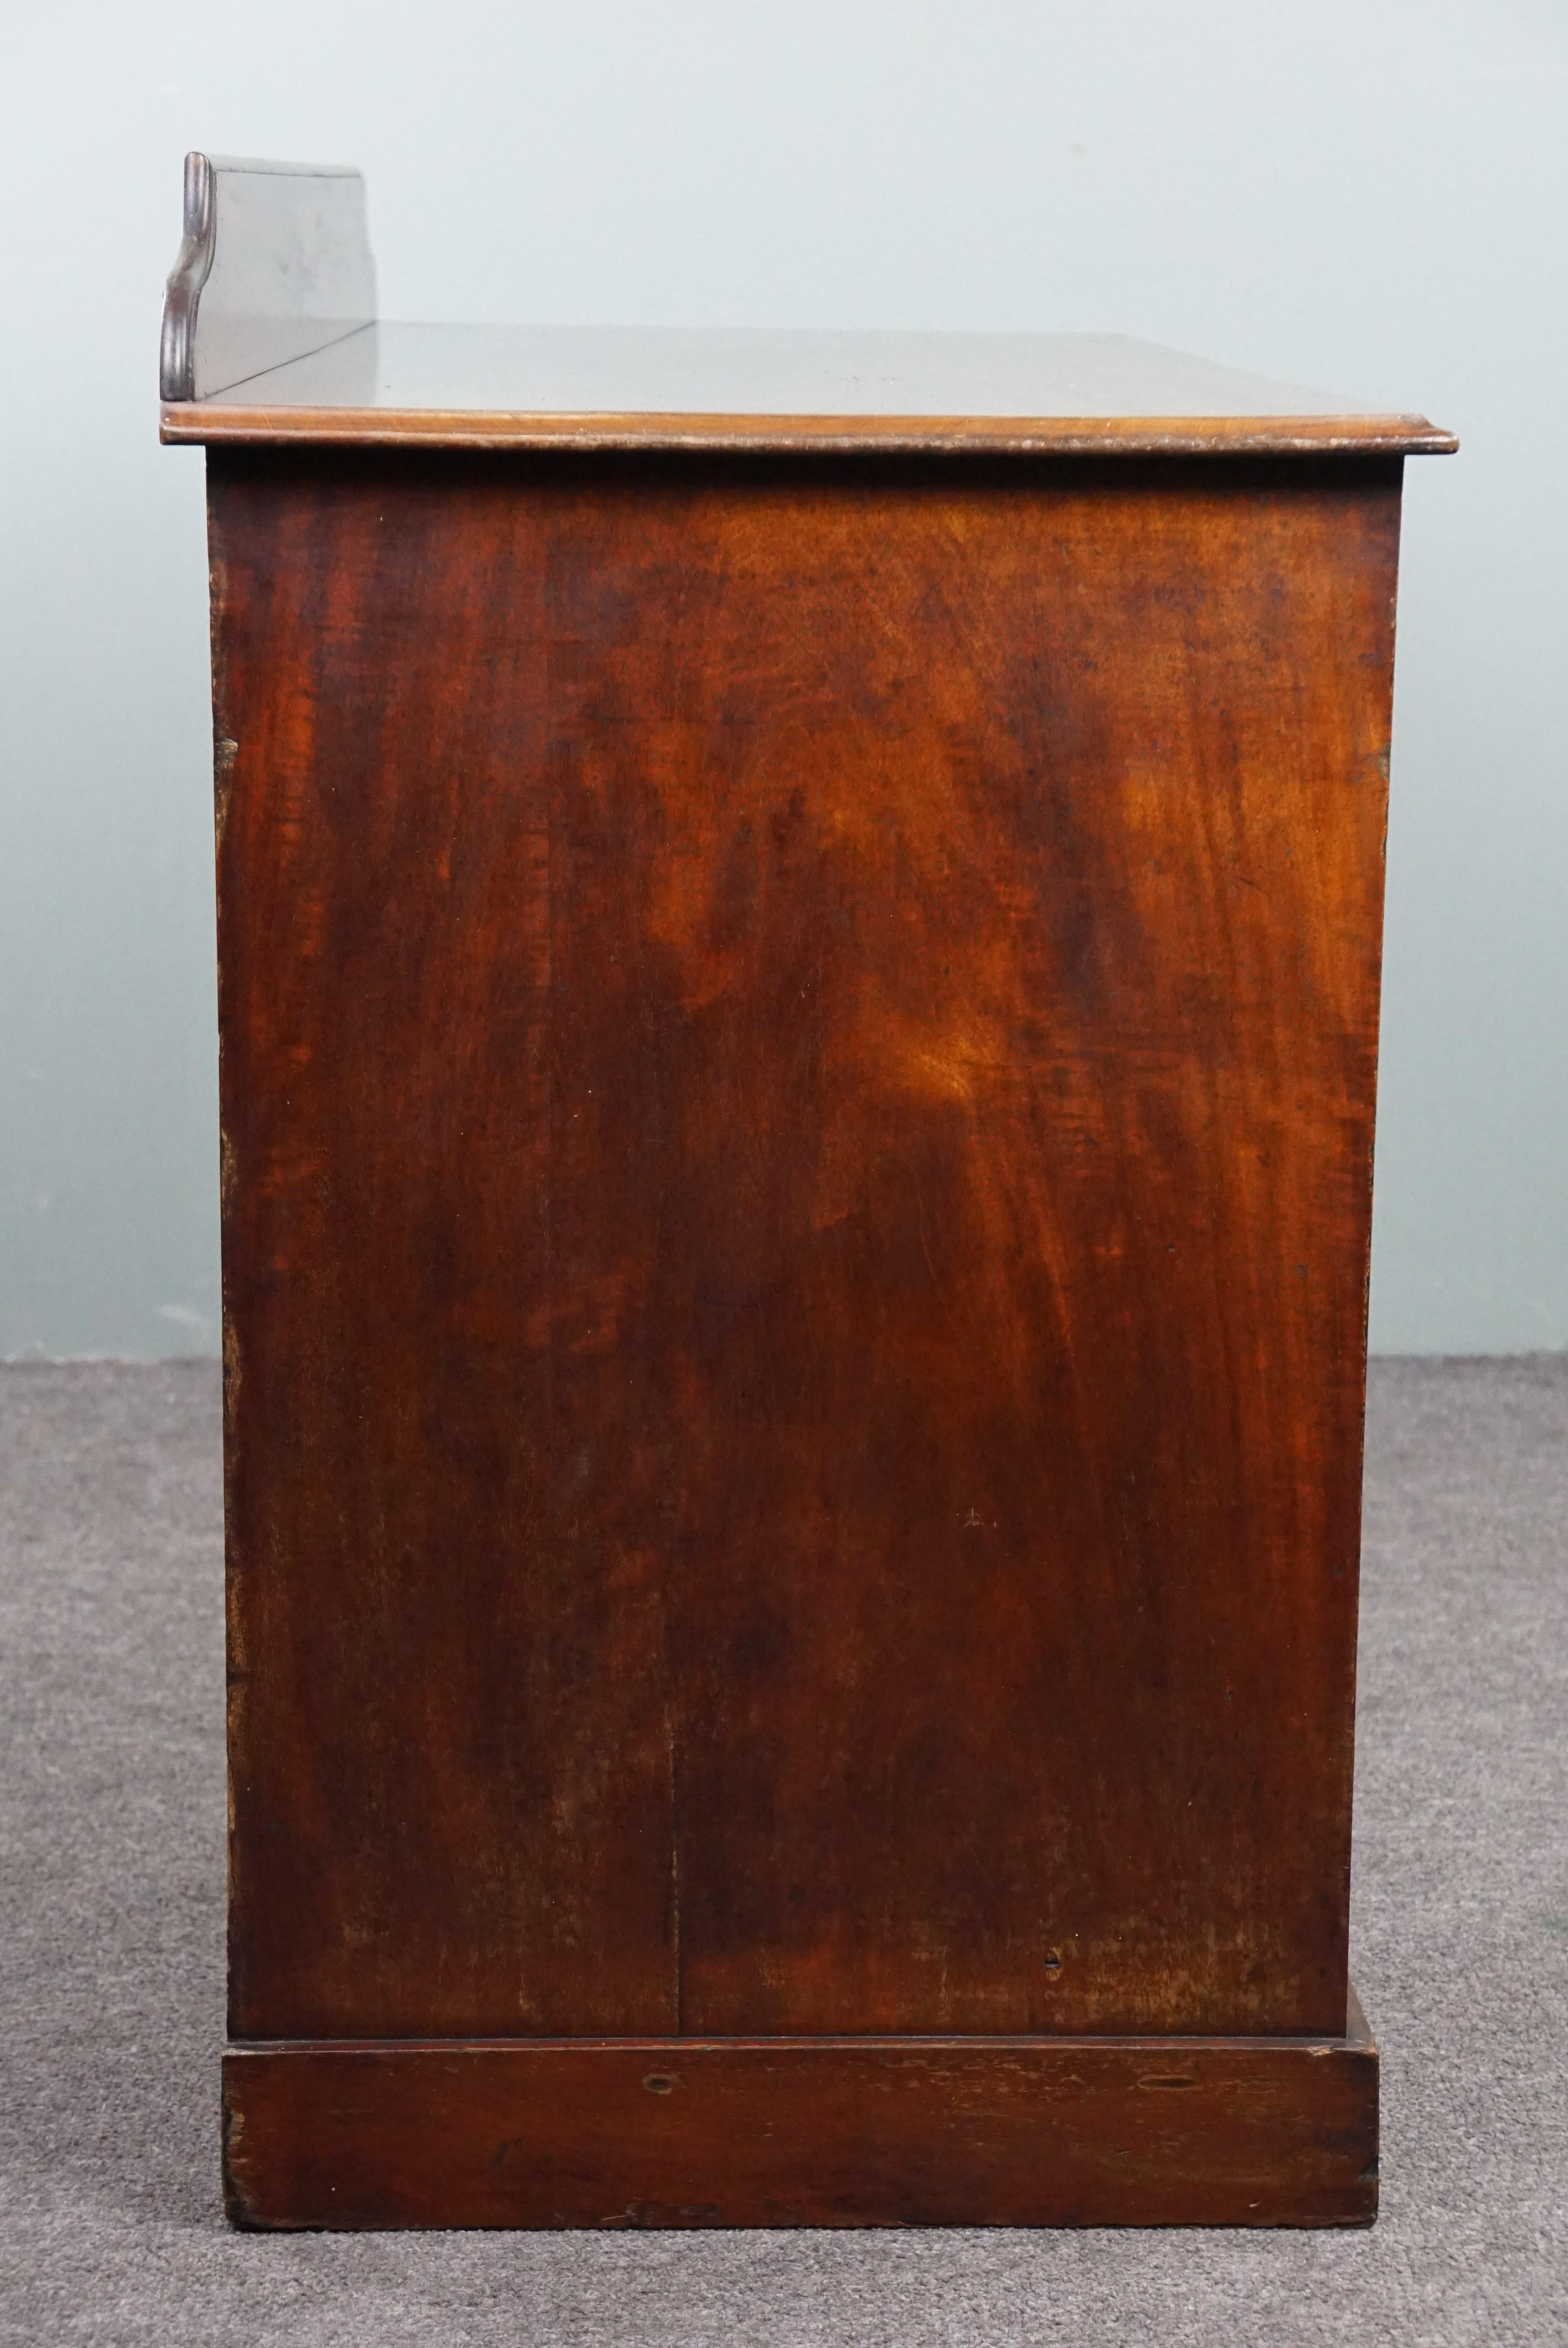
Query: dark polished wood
(799,938)
(797,2132)
(798,1060)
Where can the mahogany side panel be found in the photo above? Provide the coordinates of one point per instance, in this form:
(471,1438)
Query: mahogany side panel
(913,2132)
(798,1065)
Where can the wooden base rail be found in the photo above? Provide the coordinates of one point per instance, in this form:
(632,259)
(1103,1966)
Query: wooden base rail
(805,2132)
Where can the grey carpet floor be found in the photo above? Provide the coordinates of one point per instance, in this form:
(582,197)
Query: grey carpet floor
(111,1873)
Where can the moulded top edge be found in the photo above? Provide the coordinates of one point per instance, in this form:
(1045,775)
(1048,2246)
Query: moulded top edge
(603,388)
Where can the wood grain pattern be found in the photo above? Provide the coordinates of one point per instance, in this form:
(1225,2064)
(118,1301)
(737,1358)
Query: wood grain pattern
(798,1065)
(905,2132)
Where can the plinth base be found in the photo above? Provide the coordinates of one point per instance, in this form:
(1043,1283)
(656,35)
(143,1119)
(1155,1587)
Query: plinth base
(547,2133)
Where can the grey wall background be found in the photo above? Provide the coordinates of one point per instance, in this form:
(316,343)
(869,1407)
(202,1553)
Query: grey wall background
(1367,194)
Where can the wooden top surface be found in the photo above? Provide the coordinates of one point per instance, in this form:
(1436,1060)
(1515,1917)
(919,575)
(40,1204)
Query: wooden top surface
(600,387)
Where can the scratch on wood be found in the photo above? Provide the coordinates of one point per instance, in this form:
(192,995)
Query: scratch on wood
(676,1871)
